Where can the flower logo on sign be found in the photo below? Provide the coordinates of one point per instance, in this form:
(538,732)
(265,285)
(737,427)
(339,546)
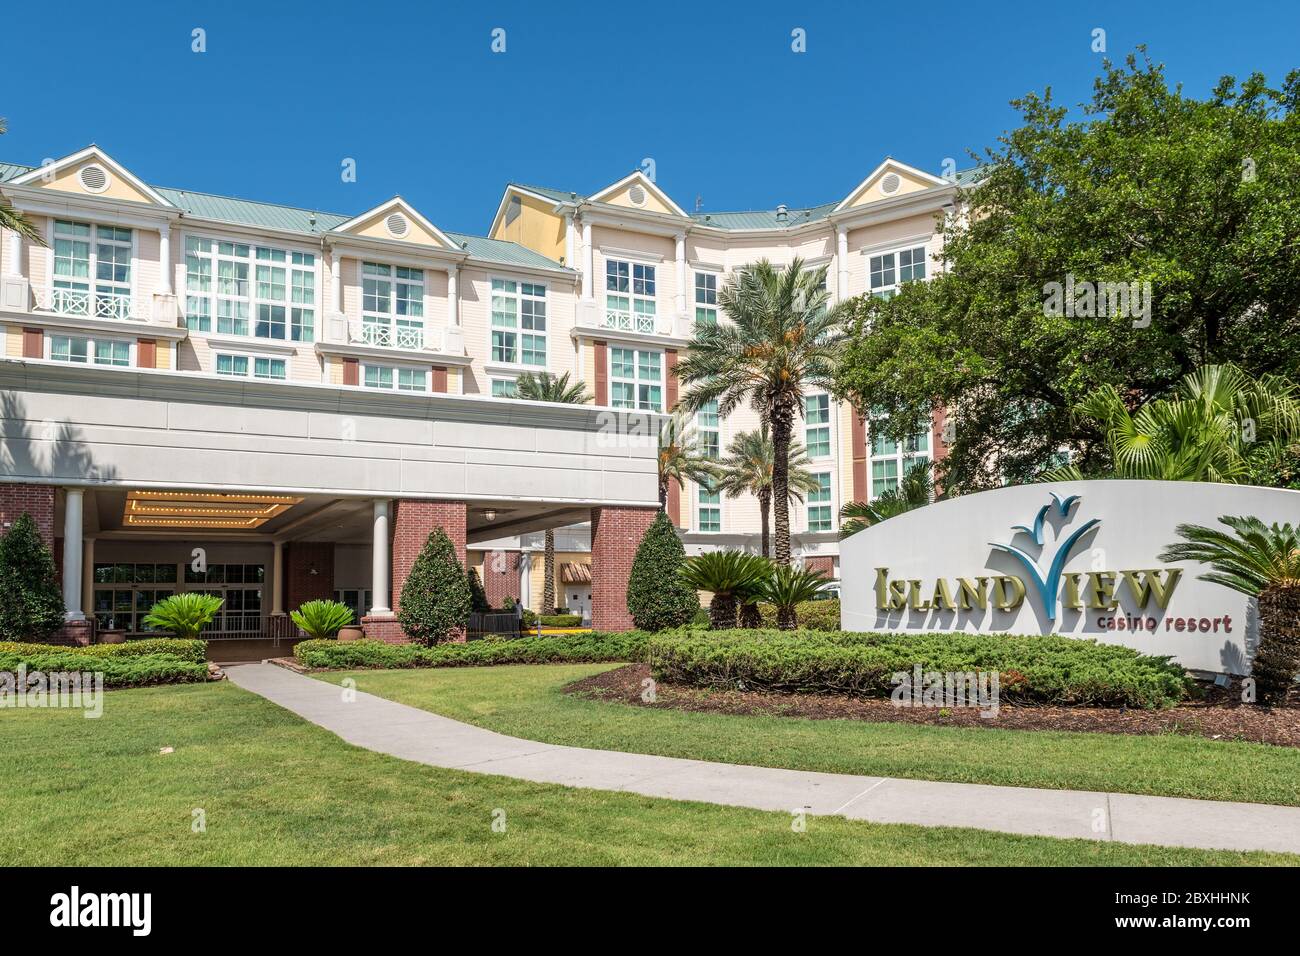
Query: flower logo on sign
(1048,585)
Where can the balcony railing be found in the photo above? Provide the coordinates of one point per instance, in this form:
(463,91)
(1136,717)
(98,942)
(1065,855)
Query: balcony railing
(98,305)
(391,336)
(629,321)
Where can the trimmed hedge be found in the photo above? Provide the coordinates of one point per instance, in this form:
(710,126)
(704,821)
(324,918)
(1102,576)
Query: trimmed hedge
(552,620)
(811,615)
(134,664)
(1048,669)
(588,647)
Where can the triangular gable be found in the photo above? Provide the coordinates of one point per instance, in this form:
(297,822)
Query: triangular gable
(379,223)
(654,199)
(524,195)
(910,180)
(65,175)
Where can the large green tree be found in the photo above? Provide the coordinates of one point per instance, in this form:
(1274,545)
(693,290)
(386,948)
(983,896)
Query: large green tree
(1144,184)
(31,604)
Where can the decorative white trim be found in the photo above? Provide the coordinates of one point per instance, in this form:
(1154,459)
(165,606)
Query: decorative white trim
(37,175)
(894,166)
(397,202)
(646,183)
(619,252)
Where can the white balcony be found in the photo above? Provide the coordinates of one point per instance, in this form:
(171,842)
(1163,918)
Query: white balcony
(629,321)
(388,336)
(93,305)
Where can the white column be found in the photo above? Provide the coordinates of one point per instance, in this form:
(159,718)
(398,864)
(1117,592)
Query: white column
(681,273)
(165,258)
(588,280)
(336,276)
(842,264)
(14,255)
(525,578)
(453,297)
(570,240)
(379,559)
(277,579)
(72,502)
(87,574)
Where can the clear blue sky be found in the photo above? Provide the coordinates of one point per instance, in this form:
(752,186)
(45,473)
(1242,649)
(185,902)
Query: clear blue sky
(711,91)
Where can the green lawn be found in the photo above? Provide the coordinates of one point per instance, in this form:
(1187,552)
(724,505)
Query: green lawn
(277,790)
(526,701)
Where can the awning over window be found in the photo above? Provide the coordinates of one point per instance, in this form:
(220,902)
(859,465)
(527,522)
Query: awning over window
(574,573)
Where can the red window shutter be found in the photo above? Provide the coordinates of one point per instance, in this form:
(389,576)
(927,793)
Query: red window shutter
(33,343)
(351,372)
(146,353)
(440,378)
(602,373)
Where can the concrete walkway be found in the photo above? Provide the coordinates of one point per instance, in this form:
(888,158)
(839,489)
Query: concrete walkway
(414,734)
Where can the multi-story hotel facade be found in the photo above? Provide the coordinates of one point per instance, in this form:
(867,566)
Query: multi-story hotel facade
(274,403)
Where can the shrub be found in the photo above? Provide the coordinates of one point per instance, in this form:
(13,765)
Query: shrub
(733,577)
(31,602)
(810,615)
(322,619)
(589,647)
(552,620)
(184,615)
(1048,669)
(478,602)
(435,599)
(787,588)
(657,597)
(134,664)
(193,651)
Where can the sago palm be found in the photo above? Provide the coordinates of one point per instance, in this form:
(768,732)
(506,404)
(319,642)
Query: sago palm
(782,338)
(545,387)
(915,491)
(1218,423)
(11,218)
(747,470)
(787,588)
(322,620)
(1262,561)
(728,575)
(184,615)
(679,455)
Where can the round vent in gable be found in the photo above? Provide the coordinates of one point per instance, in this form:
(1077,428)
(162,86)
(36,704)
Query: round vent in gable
(94,179)
(637,195)
(889,185)
(397,225)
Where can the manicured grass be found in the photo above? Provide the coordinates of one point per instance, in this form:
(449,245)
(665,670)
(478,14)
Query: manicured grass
(277,790)
(526,701)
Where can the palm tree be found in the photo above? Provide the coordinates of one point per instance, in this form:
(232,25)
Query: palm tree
(545,387)
(789,587)
(185,615)
(727,574)
(679,456)
(11,218)
(747,470)
(783,337)
(1262,561)
(915,491)
(1218,426)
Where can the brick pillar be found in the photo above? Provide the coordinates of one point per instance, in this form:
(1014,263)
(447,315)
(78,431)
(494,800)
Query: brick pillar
(412,522)
(36,500)
(823,563)
(616,533)
(938,447)
(501,576)
(301,558)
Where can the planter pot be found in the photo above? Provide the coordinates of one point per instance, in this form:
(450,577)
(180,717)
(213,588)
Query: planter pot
(351,633)
(114,636)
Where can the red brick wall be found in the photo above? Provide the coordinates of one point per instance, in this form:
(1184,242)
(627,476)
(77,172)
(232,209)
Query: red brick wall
(300,585)
(501,576)
(615,535)
(412,522)
(823,563)
(36,500)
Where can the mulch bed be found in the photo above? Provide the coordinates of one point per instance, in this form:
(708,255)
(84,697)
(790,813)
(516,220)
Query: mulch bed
(1221,716)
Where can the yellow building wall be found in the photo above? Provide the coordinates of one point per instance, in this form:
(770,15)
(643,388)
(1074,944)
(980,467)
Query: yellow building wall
(871,192)
(13,341)
(652,202)
(537,577)
(65,180)
(375,228)
(537,227)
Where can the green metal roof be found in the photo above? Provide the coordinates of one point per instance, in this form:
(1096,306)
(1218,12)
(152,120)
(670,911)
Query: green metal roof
(10,171)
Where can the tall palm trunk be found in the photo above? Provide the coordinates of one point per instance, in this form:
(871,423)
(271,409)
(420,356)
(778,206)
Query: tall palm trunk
(781,427)
(765,522)
(1278,658)
(722,611)
(663,491)
(548,570)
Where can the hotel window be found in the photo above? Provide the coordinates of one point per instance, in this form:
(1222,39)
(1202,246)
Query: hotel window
(124,594)
(819,504)
(706,426)
(817,419)
(710,505)
(518,322)
(629,296)
(706,297)
(636,379)
(357,599)
(84,253)
(504,388)
(395,378)
(89,351)
(239,289)
(890,270)
(392,306)
(891,459)
(242,366)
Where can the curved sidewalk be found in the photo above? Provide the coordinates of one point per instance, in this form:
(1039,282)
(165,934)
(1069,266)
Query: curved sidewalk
(414,734)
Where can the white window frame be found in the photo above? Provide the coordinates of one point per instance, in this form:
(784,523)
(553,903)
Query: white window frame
(642,312)
(393,328)
(636,381)
(810,427)
(701,506)
(697,292)
(828,504)
(92,341)
(520,298)
(396,368)
(251,370)
(896,251)
(115,302)
(901,456)
(503,380)
(300,320)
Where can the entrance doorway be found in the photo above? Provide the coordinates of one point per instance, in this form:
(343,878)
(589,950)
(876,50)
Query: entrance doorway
(577,600)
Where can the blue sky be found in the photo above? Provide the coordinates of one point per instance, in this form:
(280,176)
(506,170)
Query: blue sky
(712,92)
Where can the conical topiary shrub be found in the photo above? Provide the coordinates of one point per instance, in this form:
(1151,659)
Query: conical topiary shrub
(478,601)
(31,602)
(435,598)
(657,598)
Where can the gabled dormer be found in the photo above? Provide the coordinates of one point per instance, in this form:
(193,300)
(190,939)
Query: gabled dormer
(889,180)
(638,191)
(396,221)
(91,172)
